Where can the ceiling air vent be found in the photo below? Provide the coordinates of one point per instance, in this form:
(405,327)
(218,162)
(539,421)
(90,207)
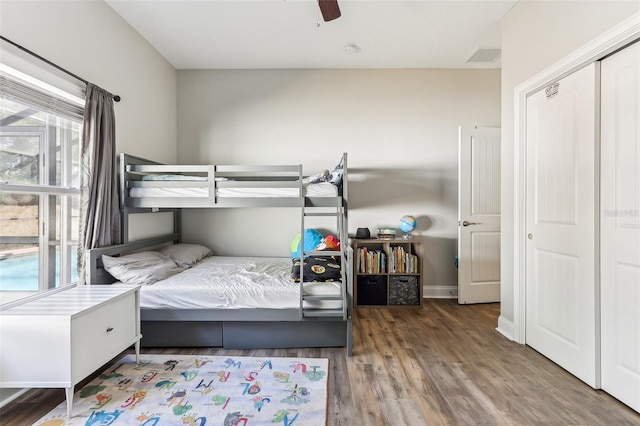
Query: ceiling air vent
(485,55)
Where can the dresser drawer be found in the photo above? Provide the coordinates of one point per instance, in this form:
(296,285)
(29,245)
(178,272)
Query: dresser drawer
(102,333)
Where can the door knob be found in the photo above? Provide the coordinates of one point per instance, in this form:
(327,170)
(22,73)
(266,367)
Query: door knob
(466,223)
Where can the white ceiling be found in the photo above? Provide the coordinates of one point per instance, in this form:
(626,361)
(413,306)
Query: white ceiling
(282,34)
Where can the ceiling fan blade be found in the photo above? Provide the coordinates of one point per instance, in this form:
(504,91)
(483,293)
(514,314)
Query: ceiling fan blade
(330,9)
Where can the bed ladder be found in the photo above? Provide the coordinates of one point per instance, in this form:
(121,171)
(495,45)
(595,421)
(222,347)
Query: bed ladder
(345,263)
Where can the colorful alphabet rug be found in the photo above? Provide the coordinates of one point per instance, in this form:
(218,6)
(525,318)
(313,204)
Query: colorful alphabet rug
(201,390)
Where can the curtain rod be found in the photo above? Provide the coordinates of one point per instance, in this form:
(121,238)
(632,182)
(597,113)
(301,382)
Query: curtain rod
(115,97)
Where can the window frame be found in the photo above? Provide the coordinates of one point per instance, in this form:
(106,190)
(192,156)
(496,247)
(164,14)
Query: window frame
(55,158)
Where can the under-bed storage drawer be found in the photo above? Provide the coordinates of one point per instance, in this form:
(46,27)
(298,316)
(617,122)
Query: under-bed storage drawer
(372,290)
(284,334)
(181,333)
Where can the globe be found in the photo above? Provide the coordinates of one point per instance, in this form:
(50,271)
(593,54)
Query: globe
(407,224)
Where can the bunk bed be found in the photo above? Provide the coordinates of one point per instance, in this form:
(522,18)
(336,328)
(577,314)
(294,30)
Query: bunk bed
(307,314)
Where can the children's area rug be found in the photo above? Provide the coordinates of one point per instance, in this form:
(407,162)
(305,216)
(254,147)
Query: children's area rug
(201,390)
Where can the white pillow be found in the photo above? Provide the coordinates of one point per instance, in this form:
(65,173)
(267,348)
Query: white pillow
(142,268)
(186,255)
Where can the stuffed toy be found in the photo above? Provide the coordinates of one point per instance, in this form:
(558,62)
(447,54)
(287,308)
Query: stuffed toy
(329,243)
(312,239)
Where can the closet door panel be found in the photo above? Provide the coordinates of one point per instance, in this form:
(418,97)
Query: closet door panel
(620,226)
(561,209)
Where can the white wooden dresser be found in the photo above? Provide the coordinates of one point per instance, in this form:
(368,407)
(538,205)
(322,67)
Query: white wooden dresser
(59,338)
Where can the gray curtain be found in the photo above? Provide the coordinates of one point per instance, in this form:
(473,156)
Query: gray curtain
(99,207)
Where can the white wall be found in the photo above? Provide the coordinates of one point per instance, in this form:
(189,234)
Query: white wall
(399,128)
(89,39)
(535,35)
(92,41)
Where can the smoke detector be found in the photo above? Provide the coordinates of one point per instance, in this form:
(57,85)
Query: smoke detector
(351,48)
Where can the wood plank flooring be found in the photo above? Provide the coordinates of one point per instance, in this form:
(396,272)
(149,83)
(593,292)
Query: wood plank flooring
(442,364)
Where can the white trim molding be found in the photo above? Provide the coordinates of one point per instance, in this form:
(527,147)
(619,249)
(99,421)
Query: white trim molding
(440,292)
(8,395)
(505,327)
(617,37)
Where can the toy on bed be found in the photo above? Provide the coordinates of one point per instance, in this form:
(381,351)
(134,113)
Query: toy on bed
(314,241)
(316,268)
(329,243)
(334,176)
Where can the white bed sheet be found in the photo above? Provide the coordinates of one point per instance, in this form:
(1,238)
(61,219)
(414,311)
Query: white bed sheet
(323,189)
(221,282)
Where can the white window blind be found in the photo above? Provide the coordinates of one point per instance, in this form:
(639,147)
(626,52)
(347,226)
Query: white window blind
(39,99)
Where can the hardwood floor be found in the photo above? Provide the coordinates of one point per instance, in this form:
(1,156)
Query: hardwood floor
(442,364)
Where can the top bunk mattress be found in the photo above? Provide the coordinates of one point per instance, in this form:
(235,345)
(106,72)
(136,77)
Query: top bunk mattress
(221,282)
(323,189)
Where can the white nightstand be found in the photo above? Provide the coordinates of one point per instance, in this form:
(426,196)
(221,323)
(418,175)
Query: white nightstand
(59,338)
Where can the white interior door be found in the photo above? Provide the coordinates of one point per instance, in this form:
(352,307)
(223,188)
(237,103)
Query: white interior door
(620,226)
(561,222)
(479,215)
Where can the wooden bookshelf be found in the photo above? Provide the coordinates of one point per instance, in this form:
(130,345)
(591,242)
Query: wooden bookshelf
(388,272)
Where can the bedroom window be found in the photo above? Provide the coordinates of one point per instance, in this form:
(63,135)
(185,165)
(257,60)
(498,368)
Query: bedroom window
(40,143)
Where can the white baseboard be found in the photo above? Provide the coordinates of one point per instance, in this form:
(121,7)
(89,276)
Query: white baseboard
(440,292)
(8,395)
(505,327)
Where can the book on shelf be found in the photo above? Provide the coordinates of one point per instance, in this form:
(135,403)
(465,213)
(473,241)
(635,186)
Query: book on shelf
(401,262)
(371,261)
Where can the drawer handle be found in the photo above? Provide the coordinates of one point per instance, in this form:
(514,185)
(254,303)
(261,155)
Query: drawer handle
(110,329)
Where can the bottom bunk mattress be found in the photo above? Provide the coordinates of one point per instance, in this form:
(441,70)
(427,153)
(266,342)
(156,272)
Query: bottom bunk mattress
(221,282)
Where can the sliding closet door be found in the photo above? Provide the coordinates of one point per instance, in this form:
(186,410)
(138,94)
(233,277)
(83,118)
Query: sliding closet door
(620,226)
(560,219)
